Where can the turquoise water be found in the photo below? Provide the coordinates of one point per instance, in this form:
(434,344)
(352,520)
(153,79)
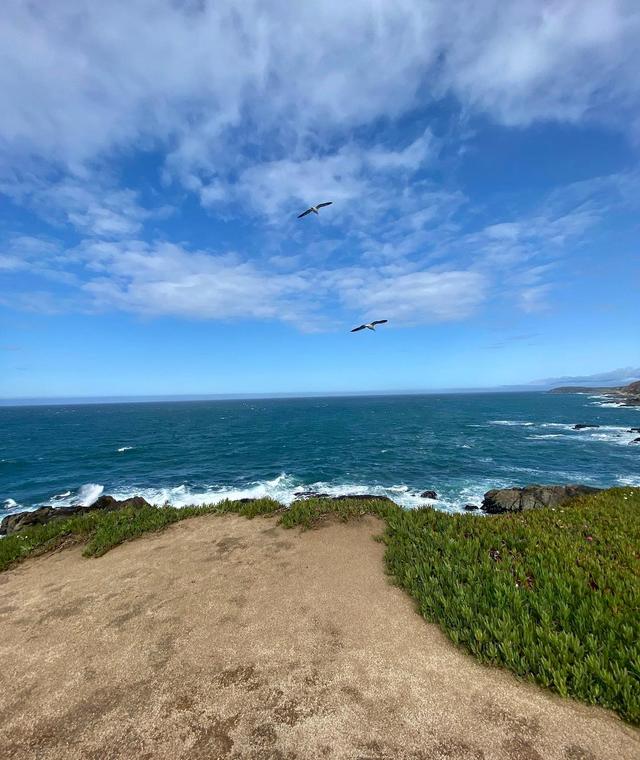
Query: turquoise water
(202,451)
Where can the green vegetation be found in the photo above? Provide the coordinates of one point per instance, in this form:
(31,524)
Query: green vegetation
(554,595)
(102,531)
(306,513)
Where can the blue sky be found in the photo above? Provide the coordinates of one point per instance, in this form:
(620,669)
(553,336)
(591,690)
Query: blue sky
(482,162)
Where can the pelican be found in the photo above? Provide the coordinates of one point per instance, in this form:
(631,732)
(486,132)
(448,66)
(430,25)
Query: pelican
(314,209)
(370,325)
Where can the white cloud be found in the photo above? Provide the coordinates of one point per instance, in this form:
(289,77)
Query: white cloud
(419,297)
(262,107)
(27,252)
(88,202)
(534,60)
(80,78)
(168,279)
(356,177)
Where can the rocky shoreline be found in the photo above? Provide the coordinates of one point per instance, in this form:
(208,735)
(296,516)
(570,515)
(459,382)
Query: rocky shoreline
(627,395)
(495,501)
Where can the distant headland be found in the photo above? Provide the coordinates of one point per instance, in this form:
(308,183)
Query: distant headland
(626,395)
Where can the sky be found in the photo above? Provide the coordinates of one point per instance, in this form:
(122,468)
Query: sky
(482,160)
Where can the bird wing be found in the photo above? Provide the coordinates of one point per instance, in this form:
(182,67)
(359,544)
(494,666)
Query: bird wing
(322,205)
(379,321)
(304,213)
(355,329)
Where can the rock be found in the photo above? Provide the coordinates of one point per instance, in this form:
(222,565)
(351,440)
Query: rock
(301,495)
(43,515)
(582,426)
(428,495)
(471,507)
(531,497)
(361,496)
(633,430)
(635,440)
(108,503)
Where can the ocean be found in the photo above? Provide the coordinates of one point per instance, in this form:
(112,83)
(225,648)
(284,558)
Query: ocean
(195,452)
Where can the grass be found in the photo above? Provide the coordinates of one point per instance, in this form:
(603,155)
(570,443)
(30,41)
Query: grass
(554,595)
(102,531)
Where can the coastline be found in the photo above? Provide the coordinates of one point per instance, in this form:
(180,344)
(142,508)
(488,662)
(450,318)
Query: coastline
(400,447)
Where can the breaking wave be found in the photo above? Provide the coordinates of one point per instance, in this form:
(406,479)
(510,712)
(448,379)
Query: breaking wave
(512,423)
(285,488)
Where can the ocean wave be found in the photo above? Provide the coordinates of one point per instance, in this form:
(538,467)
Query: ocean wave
(512,423)
(616,434)
(286,489)
(10,504)
(125,448)
(85,495)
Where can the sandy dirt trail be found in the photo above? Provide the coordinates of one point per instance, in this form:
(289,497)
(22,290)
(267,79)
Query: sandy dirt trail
(231,638)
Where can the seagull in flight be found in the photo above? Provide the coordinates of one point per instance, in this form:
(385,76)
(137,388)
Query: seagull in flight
(370,325)
(314,209)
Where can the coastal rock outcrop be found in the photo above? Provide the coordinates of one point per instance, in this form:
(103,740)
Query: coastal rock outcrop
(582,426)
(428,495)
(301,495)
(471,507)
(13,523)
(362,496)
(501,500)
(625,395)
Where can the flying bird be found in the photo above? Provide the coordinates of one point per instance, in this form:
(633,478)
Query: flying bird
(370,325)
(314,209)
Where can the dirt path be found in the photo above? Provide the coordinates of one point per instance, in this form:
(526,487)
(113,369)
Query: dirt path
(229,638)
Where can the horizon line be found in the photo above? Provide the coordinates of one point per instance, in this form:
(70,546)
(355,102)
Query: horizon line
(185,397)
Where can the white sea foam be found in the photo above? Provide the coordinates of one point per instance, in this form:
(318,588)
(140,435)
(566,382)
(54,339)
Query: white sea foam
(285,489)
(10,504)
(513,423)
(88,493)
(125,448)
(85,495)
(602,433)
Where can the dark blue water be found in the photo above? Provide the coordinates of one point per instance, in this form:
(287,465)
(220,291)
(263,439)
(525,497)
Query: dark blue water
(201,451)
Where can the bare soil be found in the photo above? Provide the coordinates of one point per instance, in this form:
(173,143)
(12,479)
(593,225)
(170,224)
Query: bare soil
(231,638)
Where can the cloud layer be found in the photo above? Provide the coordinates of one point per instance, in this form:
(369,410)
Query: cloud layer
(81,78)
(252,109)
